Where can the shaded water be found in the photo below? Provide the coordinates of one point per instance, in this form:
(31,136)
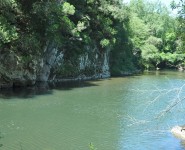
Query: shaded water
(113,114)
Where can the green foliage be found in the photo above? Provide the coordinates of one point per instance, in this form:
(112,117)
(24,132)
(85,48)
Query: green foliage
(69,69)
(139,31)
(91,147)
(68,9)
(142,32)
(173,59)
(27,26)
(122,60)
(104,42)
(150,55)
(8,32)
(154,32)
(51,19)
(81,26)
(29,45)
(180,8)
(157,42)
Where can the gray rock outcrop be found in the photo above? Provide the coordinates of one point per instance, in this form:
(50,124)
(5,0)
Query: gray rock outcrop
(16,71)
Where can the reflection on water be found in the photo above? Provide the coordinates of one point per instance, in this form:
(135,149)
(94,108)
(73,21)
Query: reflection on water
(113,114)
(41,88)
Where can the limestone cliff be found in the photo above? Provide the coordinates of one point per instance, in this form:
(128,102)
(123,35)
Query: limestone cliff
(52,66)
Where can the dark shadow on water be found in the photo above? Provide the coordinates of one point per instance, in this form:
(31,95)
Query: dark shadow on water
(42,88)
(126,76)
(72,85)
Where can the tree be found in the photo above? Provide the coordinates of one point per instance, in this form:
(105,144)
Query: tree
(8,31)
(152,27)
(150,56)
(180,7)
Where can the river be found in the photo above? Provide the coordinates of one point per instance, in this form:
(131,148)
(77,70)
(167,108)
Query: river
(128,113)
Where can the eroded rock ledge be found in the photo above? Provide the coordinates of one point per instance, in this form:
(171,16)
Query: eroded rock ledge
(18,71)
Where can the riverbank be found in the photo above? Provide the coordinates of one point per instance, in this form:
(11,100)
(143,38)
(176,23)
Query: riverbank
(46,84)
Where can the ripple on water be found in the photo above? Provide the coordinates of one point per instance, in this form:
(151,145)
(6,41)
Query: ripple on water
(111,115)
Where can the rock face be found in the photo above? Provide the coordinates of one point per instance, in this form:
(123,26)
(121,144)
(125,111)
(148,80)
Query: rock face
(105,66)
(100,63)
(14,73)
(52,57)
(17,70)
(88,66)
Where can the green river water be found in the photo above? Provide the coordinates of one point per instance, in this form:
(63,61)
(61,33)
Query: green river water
(114,114)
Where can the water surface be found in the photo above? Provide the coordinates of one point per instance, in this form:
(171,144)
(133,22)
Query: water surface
(114,114)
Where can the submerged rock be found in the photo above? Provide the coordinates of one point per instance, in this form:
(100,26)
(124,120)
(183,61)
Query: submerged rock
(178,132)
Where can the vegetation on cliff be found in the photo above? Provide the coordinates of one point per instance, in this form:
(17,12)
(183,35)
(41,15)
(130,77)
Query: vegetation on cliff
(140,34)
